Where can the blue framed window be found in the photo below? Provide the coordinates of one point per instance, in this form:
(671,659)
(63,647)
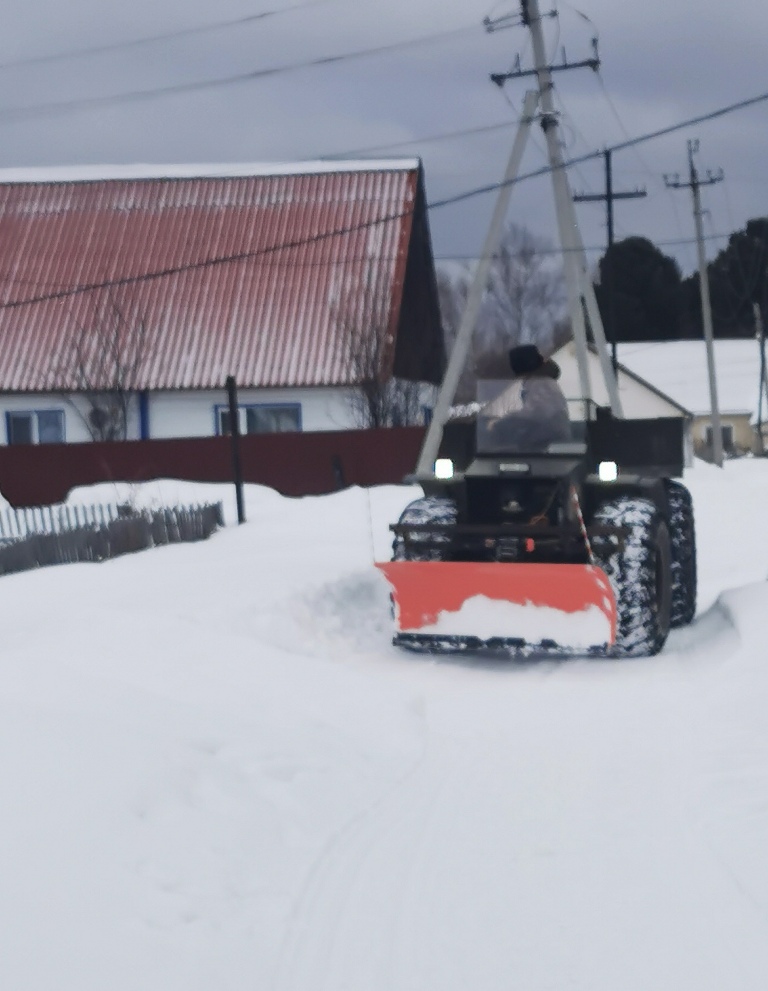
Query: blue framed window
(40,426)
(260,418)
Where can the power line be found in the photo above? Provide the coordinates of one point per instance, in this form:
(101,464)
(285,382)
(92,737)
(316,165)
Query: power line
(88,102)
(429,139)
(567,121)
(654,177)
(155,38)
(621,146)
(502,125)
(363,225)
(590,249)
(351,259)
(293,263)
(264,253)
(211,262)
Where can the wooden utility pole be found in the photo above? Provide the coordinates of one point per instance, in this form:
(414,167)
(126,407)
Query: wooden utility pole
(694,183)
(580,290)
(760,336)
(608,197)
(578,283)
(581,294)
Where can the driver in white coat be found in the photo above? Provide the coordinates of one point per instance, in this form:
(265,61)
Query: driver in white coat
(531,412)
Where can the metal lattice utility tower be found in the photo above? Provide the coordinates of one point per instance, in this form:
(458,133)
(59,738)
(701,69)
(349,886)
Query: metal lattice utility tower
(608,197)
(694,183)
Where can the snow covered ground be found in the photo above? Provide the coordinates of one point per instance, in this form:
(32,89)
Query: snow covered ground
(218,775)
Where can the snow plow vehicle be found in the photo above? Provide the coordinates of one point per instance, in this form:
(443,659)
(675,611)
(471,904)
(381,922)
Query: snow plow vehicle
(584,546)
(574,540)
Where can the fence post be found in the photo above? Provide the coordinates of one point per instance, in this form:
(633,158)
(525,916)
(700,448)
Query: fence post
(234,429)
(338,472)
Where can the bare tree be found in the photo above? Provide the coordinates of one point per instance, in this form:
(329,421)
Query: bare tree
(526,292)
(377,398)
(524,303)
(106,355)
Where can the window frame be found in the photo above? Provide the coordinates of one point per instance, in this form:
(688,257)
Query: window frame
(34,416)
(220,408)
(726,436)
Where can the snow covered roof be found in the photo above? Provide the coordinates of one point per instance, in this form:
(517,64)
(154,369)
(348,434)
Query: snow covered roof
(640,398)
(254,271)
(679,369)
(138,170)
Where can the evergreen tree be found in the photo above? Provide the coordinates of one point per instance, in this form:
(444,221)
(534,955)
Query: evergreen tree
(639,292)
(737,280)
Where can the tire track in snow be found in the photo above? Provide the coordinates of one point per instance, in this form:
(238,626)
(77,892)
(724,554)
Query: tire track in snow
(347,924)
(417,888)
(300,916)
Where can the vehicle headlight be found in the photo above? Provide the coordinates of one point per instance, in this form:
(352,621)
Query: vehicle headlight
(607,471)
(443,468)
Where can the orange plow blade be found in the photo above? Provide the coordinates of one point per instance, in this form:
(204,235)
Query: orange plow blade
(456,605)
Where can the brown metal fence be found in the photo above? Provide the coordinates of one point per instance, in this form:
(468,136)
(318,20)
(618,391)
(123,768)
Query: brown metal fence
(66,534)
(295,464)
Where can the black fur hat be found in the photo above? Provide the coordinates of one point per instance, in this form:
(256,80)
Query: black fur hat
(526,359)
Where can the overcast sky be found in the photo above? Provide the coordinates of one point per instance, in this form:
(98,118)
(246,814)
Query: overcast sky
(661,64)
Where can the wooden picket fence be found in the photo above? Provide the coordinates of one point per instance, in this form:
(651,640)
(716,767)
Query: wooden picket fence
(44,535)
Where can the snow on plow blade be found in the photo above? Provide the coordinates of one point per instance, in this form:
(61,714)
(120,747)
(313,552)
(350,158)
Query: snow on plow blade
(456,605)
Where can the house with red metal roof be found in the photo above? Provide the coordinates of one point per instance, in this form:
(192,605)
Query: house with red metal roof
(129,295)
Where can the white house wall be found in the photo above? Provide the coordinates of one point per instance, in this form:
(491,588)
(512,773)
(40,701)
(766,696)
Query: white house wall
(187,414)
(192,414)
(743,434)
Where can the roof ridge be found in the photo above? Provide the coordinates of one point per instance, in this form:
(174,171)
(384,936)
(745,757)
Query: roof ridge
(223,170)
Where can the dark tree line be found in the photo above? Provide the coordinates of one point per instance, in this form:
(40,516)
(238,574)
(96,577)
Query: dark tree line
(643,296)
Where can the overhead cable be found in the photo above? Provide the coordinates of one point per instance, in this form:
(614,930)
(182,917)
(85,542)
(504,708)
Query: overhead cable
(294,263)
(152,39)
(429,139)
(363,225)
(88,102)
(620,146)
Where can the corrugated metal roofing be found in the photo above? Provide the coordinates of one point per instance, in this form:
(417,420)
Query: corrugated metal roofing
(253,276)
